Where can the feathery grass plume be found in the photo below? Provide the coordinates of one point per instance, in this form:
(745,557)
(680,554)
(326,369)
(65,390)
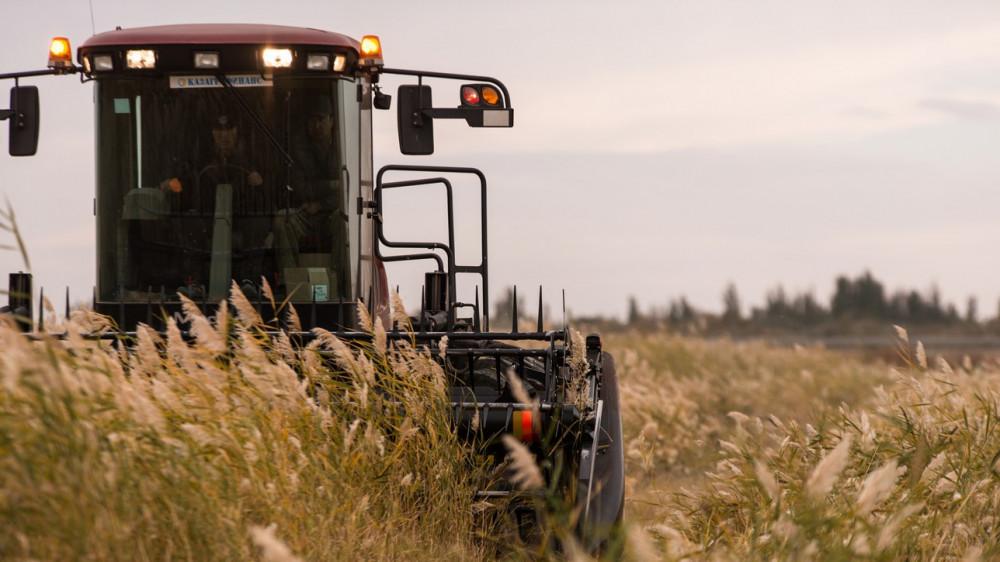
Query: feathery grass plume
(272,549)
(480,506)
(8,222)
(901,333)
(344,357)
(921,356)
(865,428)
(860,545)
(283,345)
(517,388)
(578,354)
(878,485)
(399,314)
(245,310)
(640,546)
(379,341)
(520,392)
(730,448)
(364,319)
(407,430)
(265,288)
(200,434)
(778,423)
(766,479)
(50,322)
(887,534)
(349,434)
(943,366)
(201,328)
(292,317)
(973,554)
(826,473)
(222,319)
(137,396)
(946,484)
(147,359)
(578,390)
(178,349)
(443,347)
(166,397)
(91,322)
(739,417)
(475,421)
(525,473)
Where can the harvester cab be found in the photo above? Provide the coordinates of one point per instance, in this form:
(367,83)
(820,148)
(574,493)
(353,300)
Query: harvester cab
(240,156)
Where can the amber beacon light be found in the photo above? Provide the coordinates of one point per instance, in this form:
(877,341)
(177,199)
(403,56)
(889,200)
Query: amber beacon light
(60,55)
(371,51)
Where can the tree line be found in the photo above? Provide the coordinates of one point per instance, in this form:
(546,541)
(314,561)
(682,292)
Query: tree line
(855,301)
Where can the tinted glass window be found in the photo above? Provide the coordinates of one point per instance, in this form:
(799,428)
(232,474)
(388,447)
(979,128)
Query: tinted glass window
(201,185)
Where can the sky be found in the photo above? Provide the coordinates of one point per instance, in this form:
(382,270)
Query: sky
(661,148)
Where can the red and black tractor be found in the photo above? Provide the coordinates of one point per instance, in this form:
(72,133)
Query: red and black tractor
(241,153)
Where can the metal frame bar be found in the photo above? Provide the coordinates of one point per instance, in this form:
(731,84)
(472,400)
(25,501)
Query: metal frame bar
(453,267)
(421,74)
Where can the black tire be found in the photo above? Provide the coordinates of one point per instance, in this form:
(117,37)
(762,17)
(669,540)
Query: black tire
(607,504)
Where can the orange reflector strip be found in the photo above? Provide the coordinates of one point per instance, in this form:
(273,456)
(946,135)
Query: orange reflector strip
(524,429)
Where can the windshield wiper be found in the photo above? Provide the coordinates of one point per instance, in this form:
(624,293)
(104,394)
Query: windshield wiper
(256,119)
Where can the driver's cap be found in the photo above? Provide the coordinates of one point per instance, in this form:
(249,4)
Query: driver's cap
(224,123)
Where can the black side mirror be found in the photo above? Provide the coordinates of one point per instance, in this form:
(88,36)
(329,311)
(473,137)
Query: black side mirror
(416,129)
(23,121)
(382,100)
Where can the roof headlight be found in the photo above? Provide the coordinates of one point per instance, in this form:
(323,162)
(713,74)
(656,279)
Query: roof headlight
(140,58)
(103,63)
(318,61)
(206,60)
(339,62)
(277,58)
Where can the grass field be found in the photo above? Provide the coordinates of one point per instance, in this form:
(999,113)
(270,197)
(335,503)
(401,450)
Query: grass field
(219,450)
(745,451)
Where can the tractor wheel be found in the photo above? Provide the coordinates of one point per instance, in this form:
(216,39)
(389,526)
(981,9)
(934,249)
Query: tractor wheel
(606,504)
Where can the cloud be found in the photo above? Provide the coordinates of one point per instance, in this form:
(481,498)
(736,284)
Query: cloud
(736,98)
(964,109)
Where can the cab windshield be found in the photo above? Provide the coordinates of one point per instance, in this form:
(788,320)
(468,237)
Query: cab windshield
(201,185)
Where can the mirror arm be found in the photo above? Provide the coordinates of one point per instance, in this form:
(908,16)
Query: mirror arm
(421,74)
(46,72)
(16,76)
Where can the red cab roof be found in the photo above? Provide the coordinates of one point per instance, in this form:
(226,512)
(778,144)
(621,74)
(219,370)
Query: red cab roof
(220,34)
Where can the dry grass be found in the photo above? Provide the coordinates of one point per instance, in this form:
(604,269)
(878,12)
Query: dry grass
(235,447)
(744,451)
(240,446)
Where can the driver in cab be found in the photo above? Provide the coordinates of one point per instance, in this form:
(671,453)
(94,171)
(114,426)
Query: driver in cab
(228,162)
